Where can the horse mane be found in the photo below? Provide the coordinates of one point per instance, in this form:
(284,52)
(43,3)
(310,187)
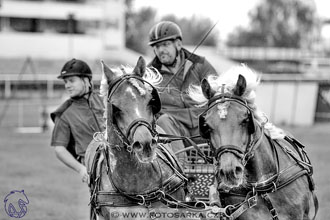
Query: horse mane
(151,75)
(229,79)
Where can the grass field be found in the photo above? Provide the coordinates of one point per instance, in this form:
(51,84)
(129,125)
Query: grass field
(28,163)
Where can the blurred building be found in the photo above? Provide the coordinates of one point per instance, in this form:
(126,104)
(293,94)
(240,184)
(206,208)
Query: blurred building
(53,30)
(57,29)
(38,36)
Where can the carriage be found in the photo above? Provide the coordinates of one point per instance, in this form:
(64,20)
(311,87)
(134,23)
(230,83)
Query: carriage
(199,171)
(249,173)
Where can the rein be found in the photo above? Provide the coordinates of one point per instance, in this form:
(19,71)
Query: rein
(168,138)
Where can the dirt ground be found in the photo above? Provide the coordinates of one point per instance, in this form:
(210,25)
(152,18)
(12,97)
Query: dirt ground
(28,163)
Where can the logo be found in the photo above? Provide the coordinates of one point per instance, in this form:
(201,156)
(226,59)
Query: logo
(15,204)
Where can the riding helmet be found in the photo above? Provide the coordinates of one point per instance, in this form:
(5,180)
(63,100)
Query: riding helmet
(75,67)
(164,30)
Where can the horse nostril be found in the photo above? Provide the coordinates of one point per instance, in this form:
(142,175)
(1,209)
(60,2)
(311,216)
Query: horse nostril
(137,146)
(238,171)
(221,173)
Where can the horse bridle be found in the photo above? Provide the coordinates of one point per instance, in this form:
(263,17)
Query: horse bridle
(252,143)
(156,107)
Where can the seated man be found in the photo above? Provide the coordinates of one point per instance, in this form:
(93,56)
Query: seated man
(179,112)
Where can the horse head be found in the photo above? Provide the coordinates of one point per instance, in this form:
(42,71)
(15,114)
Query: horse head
(132,103)
(249,152)
(128,168)
(229,122)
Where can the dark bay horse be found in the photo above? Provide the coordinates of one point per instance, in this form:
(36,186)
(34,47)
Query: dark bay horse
(261,172)
(129,170)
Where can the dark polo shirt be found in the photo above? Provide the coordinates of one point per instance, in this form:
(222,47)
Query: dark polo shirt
(76,121)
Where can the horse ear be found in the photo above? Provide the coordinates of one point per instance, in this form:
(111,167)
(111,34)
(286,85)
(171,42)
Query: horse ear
(107,72)
(208,92)
(240,86)
(140,67)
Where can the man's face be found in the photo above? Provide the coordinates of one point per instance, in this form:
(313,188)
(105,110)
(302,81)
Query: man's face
(166,51)
(74,85)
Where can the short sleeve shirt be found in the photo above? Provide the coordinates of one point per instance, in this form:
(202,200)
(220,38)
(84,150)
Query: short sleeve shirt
(77,124)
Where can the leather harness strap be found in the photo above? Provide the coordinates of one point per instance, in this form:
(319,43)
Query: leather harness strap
(117,197)
(281,179)
(270,206)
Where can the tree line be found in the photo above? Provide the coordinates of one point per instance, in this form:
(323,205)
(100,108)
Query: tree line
(272,23)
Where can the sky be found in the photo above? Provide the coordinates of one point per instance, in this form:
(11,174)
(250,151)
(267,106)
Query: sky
(229,13)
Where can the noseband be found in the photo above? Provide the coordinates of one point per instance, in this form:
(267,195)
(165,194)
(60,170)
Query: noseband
(113,86)
(252,143)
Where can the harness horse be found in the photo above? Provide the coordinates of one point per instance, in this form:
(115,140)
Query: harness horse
(260,171)
(128,168)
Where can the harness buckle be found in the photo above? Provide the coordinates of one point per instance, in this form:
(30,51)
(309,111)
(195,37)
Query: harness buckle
(275,187)
(129,148)
(273,212)
(161,193)
(227,211)
(143,200)
(200,202)
(252,201)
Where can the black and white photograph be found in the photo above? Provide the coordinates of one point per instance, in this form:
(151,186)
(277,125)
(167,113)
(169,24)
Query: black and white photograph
(164,109)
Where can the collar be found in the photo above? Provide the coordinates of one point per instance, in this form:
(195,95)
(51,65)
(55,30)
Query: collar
(82,98)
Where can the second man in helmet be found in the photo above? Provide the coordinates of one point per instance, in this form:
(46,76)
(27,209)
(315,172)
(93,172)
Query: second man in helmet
(179,112)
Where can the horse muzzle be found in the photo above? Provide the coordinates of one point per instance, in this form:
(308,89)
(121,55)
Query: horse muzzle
(145,151)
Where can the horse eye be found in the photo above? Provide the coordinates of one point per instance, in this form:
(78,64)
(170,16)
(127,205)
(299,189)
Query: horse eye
(115,111)
(245,121)
(208,128)
(152,105)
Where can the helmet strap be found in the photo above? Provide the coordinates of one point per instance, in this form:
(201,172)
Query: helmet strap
(87,88)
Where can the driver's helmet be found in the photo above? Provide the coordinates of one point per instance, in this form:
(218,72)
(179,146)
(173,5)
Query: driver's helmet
(164,30)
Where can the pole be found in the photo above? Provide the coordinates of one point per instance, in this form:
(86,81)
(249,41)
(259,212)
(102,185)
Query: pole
(71,31)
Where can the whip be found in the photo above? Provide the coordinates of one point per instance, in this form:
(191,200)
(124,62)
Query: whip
(182,65)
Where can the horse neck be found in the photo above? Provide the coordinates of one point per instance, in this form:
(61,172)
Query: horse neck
(263,165)
(136,177)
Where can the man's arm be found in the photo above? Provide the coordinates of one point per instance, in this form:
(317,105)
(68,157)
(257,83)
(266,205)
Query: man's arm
(66,157)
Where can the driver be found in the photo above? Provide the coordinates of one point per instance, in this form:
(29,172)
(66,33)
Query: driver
(179,115)
(78,118)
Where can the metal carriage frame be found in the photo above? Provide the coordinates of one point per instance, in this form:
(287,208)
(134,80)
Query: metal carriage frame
(200,173)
